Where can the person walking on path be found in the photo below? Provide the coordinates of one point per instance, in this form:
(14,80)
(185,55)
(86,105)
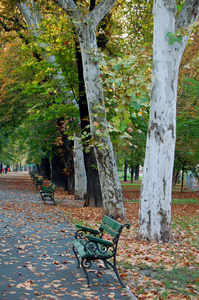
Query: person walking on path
(36,261)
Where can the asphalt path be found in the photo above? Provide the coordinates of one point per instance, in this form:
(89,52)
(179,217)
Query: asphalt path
(36,258)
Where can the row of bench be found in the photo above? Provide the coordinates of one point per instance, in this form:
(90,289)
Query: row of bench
(89,244)
(45,192)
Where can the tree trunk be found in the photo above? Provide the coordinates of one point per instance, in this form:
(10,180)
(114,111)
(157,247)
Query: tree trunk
(66,154)
(94,195)
(45,168)
(125,170)
(38,169)
(80,172)
(155,202)
(132,173)
(182,179)
(69,165)
(175,178)
(137,172)
(109,179)
(59,178)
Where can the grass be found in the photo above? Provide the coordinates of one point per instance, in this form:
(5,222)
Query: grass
(185,201)
(178,280)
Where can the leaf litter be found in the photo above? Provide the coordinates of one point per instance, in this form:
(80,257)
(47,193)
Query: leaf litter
(37,228)
(150,270)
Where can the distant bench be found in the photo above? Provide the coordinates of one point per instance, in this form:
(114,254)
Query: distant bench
(48,192)
(45,192)
(38,181)
(89,245)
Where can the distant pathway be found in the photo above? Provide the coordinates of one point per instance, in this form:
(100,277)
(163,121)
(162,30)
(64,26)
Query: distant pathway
(36,261)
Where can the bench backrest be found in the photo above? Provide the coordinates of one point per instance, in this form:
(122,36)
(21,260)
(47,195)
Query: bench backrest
(111,226)
(53,187)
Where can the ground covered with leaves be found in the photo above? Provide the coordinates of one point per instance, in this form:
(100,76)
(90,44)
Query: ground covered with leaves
(152,270)
(36,257)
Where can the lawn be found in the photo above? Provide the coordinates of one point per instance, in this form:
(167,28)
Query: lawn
(153,270)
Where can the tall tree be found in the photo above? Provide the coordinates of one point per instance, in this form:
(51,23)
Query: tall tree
(33,19)
(168,47)
(86,30)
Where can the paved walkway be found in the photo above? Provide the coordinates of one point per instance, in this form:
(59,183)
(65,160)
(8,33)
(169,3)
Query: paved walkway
(36,261)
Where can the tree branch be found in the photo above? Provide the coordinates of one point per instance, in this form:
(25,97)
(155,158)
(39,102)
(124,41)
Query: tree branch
(25,11)
(99,12)
(188,14)
(71,10)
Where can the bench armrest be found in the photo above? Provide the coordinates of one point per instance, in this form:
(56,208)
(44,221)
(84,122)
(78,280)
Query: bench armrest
(83,231)
(84,228)
(100,241)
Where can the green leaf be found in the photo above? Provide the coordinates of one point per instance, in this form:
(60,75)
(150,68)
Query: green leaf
(117,67)
(135,104)
(173,37)
(179,7)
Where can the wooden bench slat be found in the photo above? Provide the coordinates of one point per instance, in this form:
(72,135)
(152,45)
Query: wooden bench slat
(109,230)
(112,223)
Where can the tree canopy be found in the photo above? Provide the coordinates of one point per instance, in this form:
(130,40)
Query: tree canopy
(85,71)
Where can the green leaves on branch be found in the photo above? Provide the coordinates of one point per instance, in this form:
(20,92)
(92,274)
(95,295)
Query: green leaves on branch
(174,37)
(127,84)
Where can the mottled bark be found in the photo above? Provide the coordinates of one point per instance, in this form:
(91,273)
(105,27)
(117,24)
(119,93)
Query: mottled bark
(109,178)
(155,201)
(94,195)
(80,172)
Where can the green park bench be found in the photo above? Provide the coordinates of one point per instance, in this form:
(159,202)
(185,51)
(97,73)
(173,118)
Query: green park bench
(48,192)
(32,174)
(38,181)
(89,245)
(46,188)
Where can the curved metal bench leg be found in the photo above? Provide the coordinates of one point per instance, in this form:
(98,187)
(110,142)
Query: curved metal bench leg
(105,264)
(43,199)
(75,252)
(53,200)
(84,268)
(116,273)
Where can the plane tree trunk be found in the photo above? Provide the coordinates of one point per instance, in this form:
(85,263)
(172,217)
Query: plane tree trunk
(155,201)
(86,30)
